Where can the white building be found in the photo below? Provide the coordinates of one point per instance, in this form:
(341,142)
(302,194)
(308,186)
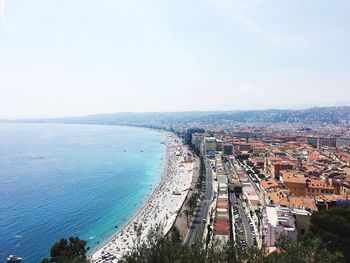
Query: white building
(277,221)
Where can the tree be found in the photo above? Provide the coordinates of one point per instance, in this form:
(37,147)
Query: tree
(157,248)
(188,213)
(333,227)
(192,202)
(175,234)
(71,250)
(308,250)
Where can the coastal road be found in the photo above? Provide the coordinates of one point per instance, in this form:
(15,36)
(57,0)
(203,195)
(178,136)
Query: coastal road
(195,234)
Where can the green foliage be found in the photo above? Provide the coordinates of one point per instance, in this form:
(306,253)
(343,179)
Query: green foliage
(192,201)
(175,235)
(305,251)
(333,227)
(64,251)
(188,213)
(158,249)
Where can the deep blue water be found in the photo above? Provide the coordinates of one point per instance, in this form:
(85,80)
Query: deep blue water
(59,180)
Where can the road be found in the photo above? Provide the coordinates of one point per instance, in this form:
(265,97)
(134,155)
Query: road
(195,234)
(254,184)
(242,223)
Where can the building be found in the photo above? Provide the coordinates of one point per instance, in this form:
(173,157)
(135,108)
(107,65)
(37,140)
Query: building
(259,151)
(228,149)
(277,221)
(345,190)
(243,148)
(221,220)
(250,196)
(318,142)
(258,162)
(274,165)
(319,187)
(302,220)
(294,182)
(209,146)
(266,186)
(343,142)
(219,145)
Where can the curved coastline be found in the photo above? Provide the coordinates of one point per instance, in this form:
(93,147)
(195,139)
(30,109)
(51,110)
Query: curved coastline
(91,207)
(143,205)
(176,175)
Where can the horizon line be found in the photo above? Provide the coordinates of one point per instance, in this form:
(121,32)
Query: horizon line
(163,112)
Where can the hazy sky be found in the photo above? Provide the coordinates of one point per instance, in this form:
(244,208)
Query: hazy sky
(76,57)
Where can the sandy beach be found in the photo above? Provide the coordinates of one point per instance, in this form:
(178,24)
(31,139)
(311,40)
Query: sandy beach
(160,208)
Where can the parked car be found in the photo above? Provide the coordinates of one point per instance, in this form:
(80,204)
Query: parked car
(242,242)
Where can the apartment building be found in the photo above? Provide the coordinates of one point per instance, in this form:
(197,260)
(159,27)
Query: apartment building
(277,221)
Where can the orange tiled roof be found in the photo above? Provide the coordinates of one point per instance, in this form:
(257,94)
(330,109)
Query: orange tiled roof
(295,201)
(277,196)
(319,184)
(291,177)
(269,183)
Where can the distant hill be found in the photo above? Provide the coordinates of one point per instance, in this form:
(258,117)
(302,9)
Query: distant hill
(317,115)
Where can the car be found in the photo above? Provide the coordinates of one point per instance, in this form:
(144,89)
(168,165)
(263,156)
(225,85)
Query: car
(204,220)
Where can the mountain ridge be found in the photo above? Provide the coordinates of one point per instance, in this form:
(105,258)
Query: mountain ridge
(314,115)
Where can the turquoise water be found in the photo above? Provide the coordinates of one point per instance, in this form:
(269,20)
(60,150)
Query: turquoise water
(59,180)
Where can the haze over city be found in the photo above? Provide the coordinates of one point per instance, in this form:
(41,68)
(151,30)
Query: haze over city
(67,58)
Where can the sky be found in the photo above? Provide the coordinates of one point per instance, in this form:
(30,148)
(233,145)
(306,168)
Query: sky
(78,57)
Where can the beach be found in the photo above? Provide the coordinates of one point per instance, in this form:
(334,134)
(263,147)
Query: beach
(160,208)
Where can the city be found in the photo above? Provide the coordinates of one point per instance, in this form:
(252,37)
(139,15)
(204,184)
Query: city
(174,131)
(266,182)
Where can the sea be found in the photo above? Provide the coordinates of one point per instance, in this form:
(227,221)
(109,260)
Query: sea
(62,180)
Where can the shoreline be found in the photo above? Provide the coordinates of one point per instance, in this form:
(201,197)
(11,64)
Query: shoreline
(149,196)
(160,201)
